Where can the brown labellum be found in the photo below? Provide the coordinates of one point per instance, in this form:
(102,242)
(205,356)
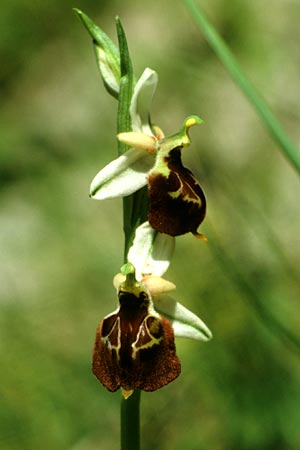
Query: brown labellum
(177,202)
(135,348)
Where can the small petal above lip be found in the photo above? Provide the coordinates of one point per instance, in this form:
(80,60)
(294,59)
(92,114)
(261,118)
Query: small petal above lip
(139,140)
(122,176)
(185,323)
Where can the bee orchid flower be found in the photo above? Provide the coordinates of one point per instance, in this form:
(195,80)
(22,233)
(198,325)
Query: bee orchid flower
(135,347)
(177,202)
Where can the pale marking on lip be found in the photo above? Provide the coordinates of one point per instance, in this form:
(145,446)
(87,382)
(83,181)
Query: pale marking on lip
(187,198)
(106,340)
(149,344)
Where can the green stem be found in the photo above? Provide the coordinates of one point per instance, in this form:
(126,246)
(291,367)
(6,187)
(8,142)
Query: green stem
(133,213)
(229,61)
(130,422)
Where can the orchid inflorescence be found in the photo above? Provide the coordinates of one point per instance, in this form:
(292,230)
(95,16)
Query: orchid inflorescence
(134,346)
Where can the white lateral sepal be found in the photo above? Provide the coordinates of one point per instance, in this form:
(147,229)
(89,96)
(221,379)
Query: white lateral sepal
(185,323)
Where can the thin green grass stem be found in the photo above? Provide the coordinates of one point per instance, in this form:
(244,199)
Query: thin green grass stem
(130,422)
(229,61)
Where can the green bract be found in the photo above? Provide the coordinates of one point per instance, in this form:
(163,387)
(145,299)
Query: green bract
(107,54)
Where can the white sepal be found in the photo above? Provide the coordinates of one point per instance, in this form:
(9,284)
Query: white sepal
(150,252)
(141,101)
(185,323)
(161,255)
(122,176)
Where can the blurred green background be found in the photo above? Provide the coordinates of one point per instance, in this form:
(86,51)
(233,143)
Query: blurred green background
(59,250)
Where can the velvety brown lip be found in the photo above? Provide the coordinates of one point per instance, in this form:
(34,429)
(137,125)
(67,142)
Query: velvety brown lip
(135,349)
(177,202)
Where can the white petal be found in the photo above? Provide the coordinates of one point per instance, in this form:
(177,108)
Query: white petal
(185,323)
(123,176)
(150,252)
(141,101)
(158,285)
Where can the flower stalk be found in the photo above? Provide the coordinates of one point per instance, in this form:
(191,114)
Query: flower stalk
(130,421)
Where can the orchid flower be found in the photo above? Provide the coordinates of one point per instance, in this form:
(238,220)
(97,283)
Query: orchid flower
(146,318)
(177,202)
(134,347)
